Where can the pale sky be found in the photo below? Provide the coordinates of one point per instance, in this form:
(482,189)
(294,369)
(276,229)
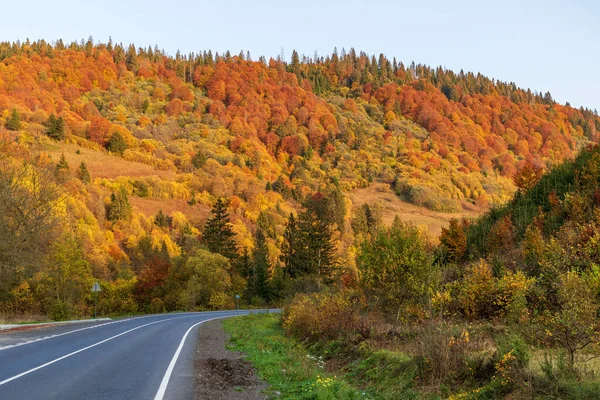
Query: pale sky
(543,45)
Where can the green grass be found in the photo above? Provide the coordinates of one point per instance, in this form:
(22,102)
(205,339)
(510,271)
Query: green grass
(284,363)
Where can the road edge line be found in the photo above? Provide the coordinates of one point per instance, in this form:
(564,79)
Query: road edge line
(162,389)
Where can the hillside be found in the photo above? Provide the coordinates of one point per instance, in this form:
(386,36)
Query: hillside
(552,223)
(390,205)
(163,138)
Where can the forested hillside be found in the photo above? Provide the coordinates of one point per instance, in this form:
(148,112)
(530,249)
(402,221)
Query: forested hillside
(113,158)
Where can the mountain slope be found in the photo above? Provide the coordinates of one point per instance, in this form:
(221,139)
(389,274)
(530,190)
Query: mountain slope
(175,133)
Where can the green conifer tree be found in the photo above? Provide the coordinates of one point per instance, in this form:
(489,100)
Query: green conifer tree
(291,249)
(56,127)
(162,219)
(218,234)
(62,169)
(318,246)
(119,207)
(84,174)
(116,144)
(14,121)
(260,261)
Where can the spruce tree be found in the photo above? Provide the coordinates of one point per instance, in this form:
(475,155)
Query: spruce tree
(14,121)
(244,266)
(84,174)
(131,59)
(162,220)
(291,249)
(116,144)
(56,127)
(62,169)
(318,246)
(62,163)
(218,234)
(260,261)
(119,207)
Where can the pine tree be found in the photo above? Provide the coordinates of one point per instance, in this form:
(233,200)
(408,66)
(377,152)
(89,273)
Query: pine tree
(218,233)
(295,64)
(162,219)
(291,249)
(131,59)
(260,261)
(116,144)
(62,163)
(14,121)
(318,245)
(244,266)
(84,174)
(119,207)
(62,169)
(56,127)
(312,249)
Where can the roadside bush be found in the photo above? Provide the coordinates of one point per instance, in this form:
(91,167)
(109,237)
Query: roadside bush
(220,301)
(157,306)
(209,281)
(322,317)
(60,310)
(116,298)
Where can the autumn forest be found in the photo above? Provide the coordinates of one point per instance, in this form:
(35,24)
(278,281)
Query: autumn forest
(179,182)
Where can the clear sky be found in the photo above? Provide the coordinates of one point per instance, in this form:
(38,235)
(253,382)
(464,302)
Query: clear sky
(543,45)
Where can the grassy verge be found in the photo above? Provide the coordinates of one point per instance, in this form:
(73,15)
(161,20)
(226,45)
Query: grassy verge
(284,363)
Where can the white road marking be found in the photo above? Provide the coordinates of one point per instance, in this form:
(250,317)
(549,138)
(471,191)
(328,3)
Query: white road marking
(83,349)
(73,331)
(165,381)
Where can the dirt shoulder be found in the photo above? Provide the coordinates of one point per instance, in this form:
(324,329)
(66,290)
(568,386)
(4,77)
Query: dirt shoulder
(220,373)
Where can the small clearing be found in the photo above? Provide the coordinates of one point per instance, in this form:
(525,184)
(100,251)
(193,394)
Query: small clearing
(149,207)
(103,165)
(391,205)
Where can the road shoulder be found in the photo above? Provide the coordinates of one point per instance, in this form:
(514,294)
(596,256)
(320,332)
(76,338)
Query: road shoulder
(220,373)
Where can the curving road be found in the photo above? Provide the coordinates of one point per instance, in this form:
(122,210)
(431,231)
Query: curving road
(150,357)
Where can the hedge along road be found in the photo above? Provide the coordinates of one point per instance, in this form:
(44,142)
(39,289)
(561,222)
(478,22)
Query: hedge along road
(141,358)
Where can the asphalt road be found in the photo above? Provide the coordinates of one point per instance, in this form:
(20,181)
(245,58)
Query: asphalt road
(150,357)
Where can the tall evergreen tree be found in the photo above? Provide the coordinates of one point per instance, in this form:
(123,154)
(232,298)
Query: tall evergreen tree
(116,143)
(295,64)
(131,59)
(318,245)
(291,249)
(84,174)
(260,261)
(218,234)
(244,265)
(119,207)
(14,121)
(162,220)
(62,164)
(62,169)
(56,127)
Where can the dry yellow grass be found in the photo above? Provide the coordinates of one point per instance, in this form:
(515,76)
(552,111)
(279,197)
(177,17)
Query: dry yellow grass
(101,164)
(196,214)
(391,205)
